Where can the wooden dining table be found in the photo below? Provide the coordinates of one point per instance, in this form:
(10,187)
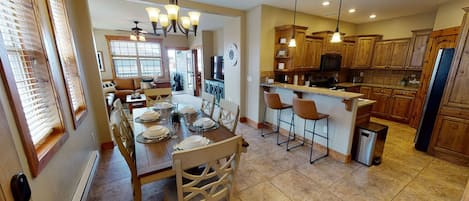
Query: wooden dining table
(154,160)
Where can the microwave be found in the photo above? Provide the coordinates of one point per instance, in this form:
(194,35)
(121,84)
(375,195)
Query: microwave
(330,62)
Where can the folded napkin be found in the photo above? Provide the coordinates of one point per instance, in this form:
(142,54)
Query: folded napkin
(150,115)
(204,122)
(156,132)
(188,110)
(192,142)
(163,105)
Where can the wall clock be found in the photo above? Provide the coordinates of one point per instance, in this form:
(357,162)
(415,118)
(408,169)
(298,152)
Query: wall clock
(232,54)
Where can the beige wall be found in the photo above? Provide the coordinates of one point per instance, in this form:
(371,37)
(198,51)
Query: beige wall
(232,34)
(60,177)
(400,27)
(171,41)
(218,42)
(207,51)
(450,14)
(253,52)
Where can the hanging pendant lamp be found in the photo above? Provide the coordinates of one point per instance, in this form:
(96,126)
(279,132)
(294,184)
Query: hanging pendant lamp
(336,38)
(292,42)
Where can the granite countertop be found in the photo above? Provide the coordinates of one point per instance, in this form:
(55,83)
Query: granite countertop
(315,90)
(364,102)
(350,84)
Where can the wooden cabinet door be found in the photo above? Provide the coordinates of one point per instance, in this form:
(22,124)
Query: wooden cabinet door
(398,54)
(381,107)
(316,51)
(348,49)
(382,54)
(366,91)
(308,54)
(298,56)
(363,52)
(451,134)
(417,48)
(401,107)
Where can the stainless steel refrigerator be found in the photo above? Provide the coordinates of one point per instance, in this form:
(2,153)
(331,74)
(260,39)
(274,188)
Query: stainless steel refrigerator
(433,98)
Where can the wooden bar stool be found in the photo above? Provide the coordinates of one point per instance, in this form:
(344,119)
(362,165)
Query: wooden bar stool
(306,109)
(272,101)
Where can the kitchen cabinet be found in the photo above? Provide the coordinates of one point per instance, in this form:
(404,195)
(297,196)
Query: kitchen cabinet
(366,91)
(402,102)
(354,89)
(348,50)
(417,48)
(289,57)
(390,54)
(451,133)
(382,54)
(383,101)
(364,47)
(313,51)
(328,47)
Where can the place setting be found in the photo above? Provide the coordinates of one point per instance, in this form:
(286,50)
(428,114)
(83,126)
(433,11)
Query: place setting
(148,116)
(155,134)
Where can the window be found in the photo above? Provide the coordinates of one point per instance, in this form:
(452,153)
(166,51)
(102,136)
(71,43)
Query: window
(135,59)
(27,74)
(63,38)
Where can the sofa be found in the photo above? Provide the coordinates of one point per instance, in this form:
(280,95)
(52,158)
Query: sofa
(126,86)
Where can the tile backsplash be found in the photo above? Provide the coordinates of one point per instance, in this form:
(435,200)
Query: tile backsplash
(386,77)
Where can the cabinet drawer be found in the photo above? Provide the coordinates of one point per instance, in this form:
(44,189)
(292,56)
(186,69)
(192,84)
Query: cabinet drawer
(382,91)
(404,92)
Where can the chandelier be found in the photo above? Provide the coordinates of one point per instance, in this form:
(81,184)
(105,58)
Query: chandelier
(136,33)
(170,20)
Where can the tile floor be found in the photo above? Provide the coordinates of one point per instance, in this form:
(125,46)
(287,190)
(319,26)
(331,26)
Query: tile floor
(267,172)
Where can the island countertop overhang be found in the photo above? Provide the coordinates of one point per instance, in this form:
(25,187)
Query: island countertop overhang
(315,90)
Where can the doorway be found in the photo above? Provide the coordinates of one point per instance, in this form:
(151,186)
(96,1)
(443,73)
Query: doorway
(183,68)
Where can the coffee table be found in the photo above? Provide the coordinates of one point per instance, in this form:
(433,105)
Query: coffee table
(136,102)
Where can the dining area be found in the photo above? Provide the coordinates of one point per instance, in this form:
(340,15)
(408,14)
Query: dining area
(194,149)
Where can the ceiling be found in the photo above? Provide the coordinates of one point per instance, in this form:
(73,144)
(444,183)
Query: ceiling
(384,9)
(120,14)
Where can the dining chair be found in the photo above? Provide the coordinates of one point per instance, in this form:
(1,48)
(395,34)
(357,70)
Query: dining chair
(157,95)
(228,115)
(208,104)
(218,163)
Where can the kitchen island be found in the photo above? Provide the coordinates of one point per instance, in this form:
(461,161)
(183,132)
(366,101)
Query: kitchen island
(341,106)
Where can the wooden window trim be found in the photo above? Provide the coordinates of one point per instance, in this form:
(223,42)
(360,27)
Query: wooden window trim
(39,156)
(126,38)
(79,114)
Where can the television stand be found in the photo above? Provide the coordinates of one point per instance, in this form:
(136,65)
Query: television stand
(216,88)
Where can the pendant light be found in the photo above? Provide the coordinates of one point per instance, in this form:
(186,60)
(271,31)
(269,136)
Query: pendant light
(336,36)
(292,42)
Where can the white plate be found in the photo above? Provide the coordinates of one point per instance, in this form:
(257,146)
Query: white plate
(164,132)
(192,142)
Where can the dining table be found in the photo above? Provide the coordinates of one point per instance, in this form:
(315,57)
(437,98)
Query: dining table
(154,160)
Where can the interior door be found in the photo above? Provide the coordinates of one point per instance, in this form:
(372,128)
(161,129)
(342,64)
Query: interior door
(10,164)
(197,73)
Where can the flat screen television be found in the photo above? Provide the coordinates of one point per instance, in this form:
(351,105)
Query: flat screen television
(330,62)
(218,71)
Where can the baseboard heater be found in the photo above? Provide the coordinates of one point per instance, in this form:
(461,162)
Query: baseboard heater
(81,193)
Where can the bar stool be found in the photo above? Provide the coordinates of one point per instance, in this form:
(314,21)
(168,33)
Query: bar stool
(306,109)
(272,101)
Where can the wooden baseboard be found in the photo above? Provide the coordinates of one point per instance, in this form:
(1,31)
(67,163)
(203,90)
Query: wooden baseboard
(250,122)
(318,147)
(107,145)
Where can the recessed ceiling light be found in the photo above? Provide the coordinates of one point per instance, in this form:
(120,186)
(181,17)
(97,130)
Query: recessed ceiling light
(326,3)
(372,16)
(352,10)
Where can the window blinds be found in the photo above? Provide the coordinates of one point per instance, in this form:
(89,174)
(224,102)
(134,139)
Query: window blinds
(27,71)
(63,38)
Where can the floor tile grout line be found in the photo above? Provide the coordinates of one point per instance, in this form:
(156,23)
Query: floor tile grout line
(415,177)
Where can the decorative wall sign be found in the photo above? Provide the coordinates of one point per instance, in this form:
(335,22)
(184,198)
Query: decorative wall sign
(99,56)
(232,54)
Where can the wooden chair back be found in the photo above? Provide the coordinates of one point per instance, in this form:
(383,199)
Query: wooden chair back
(157,95)
(219,161)
(229,115)
(208,104)
(124,139)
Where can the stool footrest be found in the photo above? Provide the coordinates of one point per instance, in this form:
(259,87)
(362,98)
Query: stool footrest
(319,158)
